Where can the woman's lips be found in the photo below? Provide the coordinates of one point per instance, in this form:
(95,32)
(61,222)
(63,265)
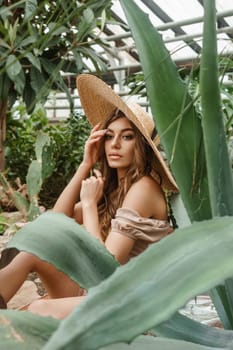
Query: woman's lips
(114,156)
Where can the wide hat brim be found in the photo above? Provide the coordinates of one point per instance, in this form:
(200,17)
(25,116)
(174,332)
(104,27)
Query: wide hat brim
(99,101)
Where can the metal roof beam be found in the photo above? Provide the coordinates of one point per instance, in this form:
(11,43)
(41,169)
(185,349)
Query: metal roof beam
(165,18)
(171,25)
(221,22)
(187,37)
(179,62)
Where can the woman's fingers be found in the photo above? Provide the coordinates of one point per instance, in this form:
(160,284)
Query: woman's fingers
(97,173)
(97,134)
(92,189)
(92,145)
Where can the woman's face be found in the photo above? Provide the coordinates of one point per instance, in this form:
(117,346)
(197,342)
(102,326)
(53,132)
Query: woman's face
(120,145)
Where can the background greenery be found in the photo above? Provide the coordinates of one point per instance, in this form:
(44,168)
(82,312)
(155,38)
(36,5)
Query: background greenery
(66,143)
(146,294)
(39,42)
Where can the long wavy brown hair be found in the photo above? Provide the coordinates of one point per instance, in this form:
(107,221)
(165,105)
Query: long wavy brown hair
(145,163)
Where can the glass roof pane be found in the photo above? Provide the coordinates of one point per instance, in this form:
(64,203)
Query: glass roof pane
(180,10)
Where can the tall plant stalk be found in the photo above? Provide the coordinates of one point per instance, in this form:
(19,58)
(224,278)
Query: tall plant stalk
(177,121)
(219,170)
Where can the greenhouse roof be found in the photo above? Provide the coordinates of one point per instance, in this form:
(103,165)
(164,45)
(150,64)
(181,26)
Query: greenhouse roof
(180,23)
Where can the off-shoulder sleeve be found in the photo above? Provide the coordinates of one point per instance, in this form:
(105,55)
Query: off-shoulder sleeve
(143,230)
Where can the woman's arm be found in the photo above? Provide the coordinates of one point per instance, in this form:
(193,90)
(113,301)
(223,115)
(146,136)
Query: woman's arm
(120,246)
(70,195)
(91,192)
(147,199)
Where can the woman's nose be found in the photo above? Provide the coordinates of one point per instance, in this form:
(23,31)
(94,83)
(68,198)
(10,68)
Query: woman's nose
(115,142)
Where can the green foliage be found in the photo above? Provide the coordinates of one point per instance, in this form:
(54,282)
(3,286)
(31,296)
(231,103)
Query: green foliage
(3,224)
(136,296)
(85,252)
(39,40)
(149,290)
(20,139)
(65,152)
(41,328)
(39,169)
(217,159)
(199,195)
(136,84)
(175,114)
(67,142)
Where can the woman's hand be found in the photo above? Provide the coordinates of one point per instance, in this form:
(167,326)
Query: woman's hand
(92,146)
(68,198)
(92,189)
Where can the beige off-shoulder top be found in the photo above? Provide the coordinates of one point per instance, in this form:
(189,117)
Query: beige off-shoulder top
(143,230)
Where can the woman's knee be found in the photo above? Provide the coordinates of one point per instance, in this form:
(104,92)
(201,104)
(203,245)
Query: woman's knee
(27,260)
(56,308)
(39,307)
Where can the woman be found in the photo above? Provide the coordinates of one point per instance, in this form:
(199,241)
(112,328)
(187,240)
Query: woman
(122,203)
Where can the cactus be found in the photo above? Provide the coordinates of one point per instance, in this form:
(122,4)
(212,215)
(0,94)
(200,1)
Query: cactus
(38,171)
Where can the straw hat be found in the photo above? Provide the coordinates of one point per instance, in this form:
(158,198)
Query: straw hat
(99,101)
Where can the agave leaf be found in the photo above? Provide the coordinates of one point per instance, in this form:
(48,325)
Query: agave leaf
(137,293)
(219,170)
(82,257)
(176,119)
(16,334)
(169,99)
(220,179)
(182,327)
(222,299)
(150,343)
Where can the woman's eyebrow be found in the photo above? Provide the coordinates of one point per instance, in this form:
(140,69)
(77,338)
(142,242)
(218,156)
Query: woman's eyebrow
(122,130)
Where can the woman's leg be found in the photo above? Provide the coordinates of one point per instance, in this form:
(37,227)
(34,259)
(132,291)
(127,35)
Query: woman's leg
(57,308)
(12,276)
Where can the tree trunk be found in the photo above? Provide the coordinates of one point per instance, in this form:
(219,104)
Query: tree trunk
(3,110)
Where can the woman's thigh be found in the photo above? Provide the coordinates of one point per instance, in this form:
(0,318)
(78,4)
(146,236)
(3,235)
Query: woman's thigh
(57,308)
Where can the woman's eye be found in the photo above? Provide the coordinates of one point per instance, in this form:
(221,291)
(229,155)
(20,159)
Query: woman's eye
(108,137)
(128,137)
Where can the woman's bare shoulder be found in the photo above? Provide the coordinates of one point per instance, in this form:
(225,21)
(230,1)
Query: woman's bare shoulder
(147,198)
(148,185)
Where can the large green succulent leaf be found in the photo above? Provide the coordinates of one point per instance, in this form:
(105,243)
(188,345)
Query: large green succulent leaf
(184,328)
(220,179)
(169,99)
(82,256)
(219,170)
(22,330)
(177,121)
(150,343)
(16,334)
(137,296)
